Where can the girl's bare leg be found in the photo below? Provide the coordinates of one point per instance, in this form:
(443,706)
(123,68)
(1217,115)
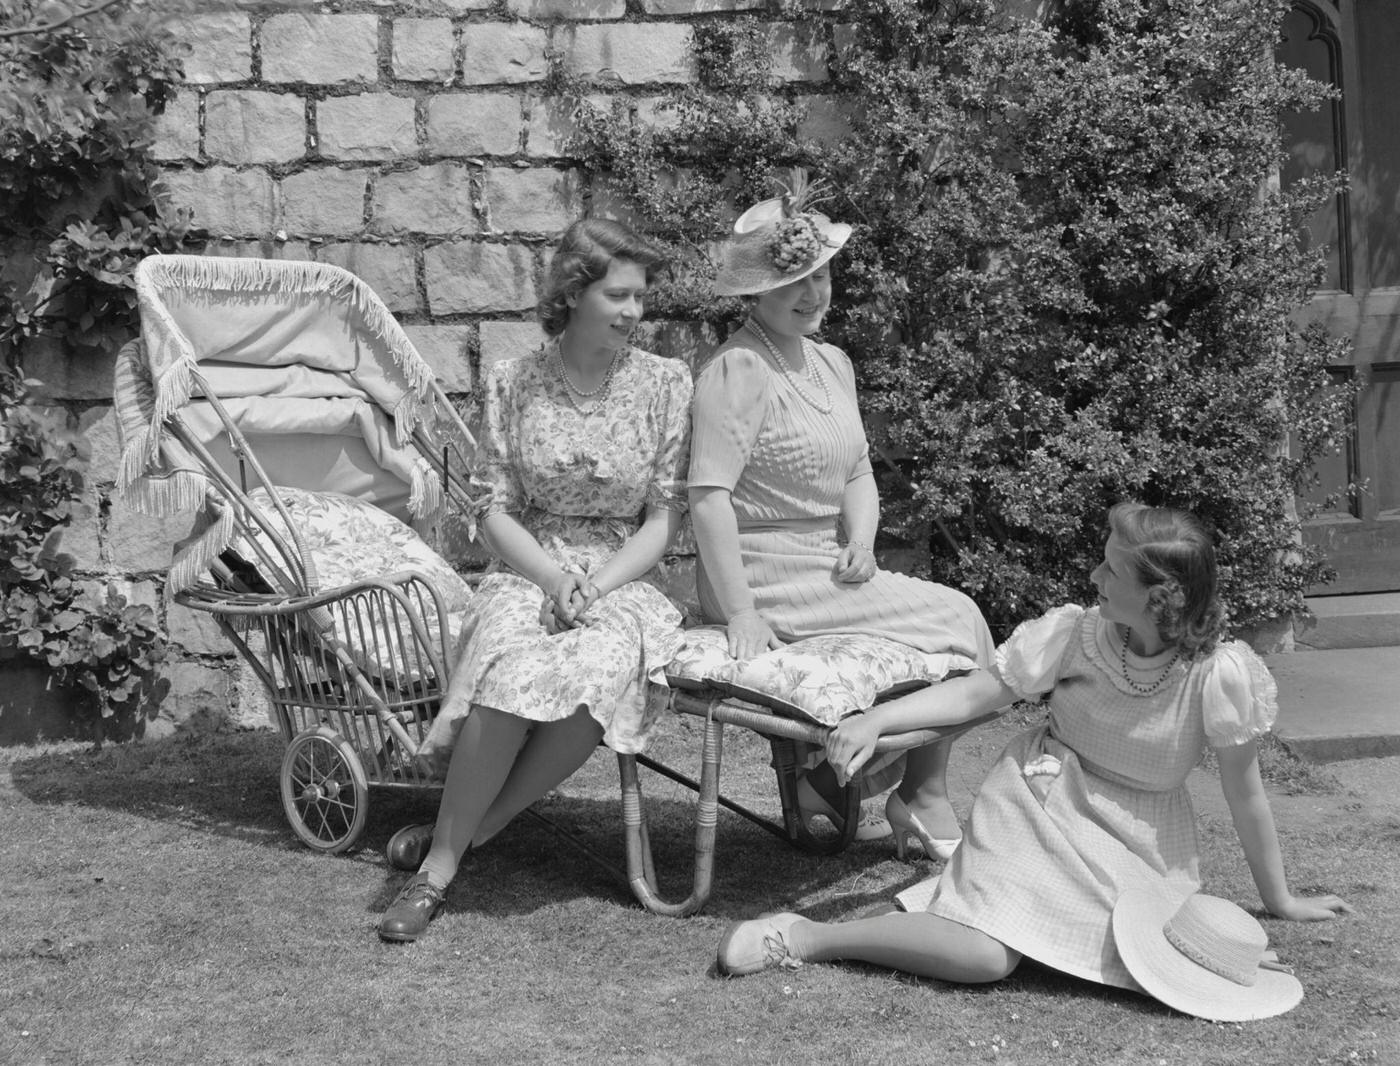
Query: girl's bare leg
(551,755)
(482,758)
(923,944)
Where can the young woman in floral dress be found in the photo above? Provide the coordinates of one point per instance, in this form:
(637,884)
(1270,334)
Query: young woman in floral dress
(585,446)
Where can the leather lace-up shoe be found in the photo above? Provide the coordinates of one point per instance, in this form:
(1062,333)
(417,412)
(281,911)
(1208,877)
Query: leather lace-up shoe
(408,916)
(408,847)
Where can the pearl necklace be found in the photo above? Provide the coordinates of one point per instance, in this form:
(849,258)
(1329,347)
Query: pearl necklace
(1137,686)
(600,390)
(813,367)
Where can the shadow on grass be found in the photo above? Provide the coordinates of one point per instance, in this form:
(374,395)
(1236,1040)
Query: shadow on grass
(226,785)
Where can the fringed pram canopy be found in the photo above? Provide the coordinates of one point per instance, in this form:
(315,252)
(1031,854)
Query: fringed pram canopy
(306,363)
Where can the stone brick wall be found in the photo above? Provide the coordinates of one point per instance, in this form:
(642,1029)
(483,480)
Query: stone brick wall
(418,145)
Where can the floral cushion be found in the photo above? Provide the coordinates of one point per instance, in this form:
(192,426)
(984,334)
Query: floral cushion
(821,679)
(351,540)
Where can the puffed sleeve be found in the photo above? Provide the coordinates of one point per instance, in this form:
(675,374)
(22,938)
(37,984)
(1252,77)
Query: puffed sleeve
(846,381)
(1239,699)
(727,412)
(495,481)
(1028,661)
(667,488)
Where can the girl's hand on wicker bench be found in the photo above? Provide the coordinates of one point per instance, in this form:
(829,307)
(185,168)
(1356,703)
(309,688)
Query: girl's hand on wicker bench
(849,746)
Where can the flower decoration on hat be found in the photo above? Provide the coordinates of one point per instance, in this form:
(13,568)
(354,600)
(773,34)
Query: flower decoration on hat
(796,241)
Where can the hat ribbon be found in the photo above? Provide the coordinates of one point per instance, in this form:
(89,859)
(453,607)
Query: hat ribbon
(1240,970)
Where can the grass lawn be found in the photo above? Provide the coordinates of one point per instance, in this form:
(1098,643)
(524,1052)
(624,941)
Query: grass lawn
(155,908)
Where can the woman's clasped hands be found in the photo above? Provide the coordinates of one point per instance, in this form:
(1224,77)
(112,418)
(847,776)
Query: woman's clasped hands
(567,600)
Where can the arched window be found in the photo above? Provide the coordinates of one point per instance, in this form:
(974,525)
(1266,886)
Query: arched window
(1315,141)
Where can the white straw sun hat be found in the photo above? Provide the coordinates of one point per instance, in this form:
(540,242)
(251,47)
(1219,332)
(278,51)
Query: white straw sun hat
(776,242)
(1205,957)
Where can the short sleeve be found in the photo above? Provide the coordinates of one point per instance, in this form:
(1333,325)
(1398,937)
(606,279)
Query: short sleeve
(1028,661)
(727,412)
(495,481)
(1239,698)
(667,488)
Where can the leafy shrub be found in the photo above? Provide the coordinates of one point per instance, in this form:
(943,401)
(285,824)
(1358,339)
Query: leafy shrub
(80,89)
(98,643)
(78,105)
(1070,280)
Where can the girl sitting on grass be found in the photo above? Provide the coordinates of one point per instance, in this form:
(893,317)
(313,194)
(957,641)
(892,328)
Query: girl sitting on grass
(1089,805)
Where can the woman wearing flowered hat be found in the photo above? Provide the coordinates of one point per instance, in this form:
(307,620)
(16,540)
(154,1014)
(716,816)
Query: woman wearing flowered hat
(785,505)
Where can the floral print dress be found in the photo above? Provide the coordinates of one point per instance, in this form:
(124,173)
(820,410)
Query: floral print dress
(580,480)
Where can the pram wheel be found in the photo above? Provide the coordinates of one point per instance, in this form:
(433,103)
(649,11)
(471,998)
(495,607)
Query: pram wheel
(324,792)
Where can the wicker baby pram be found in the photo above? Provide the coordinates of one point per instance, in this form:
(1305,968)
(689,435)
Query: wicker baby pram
(283,405)
(258,392)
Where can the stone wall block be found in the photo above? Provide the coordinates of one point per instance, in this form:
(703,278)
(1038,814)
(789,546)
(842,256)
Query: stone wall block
(195,631)
(293,251)
(553,121)
(226,202)
(534,200)
(508,340)
(423,50)
(567,9)
(253,709)
(325,201)
(221,47)
(471,124)
(461,7)
(177,128)
(320,49)
(699,7)
(87,376)
(387,268)
(465,277)
(366,126)
(447,349)
(629,53)
(98,426)
(503,53)
(79,537)
(199,700)
(691,342)
(436,199)
(798,52)
(135,593)
(140,542)
(826,121)
(245,126)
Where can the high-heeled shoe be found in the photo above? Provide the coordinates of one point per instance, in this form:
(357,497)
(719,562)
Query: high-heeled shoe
(905,825)
(408,847)
(870,825)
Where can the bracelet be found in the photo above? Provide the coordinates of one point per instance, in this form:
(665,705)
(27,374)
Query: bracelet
(860,544)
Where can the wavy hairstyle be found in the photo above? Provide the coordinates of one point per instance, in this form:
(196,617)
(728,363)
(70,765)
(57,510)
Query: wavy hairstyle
(585,253)
(1175,558)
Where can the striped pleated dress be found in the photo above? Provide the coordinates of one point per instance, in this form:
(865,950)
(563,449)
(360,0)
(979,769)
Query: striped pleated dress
(786,463)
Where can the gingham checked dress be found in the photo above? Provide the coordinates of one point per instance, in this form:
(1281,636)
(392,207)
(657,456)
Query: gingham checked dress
(1045,856)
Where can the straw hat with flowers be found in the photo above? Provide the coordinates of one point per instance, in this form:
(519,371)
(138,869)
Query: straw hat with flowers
(779,241)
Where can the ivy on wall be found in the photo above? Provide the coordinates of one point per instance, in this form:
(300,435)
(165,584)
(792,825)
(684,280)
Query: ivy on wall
(80,89)
(1070,281)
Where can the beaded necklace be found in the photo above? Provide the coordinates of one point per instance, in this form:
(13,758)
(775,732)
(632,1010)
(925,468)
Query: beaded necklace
(1138,686)
(600,391)
(813,367)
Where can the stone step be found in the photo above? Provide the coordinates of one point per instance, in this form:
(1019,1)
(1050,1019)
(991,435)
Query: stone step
(1364,620)
(1342,703)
